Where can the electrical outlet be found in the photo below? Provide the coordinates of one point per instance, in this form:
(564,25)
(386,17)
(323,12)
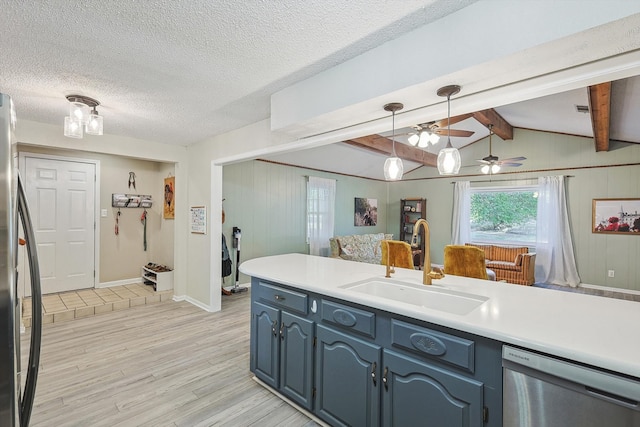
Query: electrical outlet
(103,213)
(611,273)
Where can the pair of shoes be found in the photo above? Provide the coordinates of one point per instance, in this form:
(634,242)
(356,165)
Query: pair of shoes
(225,292)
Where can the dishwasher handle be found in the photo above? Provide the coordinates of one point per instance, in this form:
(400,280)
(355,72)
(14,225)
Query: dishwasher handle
(622,390)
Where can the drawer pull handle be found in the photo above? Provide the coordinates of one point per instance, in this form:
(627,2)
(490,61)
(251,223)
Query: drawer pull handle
(279,298)
(344,318)
(429,344)
(384,378)
(373,373)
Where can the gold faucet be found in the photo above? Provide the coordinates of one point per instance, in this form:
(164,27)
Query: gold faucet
(427,273)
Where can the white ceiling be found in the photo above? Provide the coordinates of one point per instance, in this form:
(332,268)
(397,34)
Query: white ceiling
(181,71)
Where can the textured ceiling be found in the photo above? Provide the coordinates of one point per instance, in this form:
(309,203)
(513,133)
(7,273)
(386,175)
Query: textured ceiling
(177,71)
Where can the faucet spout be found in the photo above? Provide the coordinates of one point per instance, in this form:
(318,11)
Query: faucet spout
(427,273)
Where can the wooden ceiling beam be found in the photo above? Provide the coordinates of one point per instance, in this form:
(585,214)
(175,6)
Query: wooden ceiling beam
(600,109)
(383,145)
(501,127)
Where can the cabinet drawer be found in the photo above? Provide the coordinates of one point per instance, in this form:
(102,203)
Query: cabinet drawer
(349,318)
(433,344)
(282,297)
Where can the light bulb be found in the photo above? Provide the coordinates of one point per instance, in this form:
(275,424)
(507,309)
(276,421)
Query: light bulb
(449,161)
(72,127)
(413,139)
(484,169)
(434,138)
(424,139)
(495,168)
(393,169)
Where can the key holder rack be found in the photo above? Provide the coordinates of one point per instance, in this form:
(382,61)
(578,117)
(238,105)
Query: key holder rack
(120,200)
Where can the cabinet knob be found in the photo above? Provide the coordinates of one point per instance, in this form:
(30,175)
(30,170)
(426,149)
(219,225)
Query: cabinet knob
(282,331)
(274,328)
(279,298)
(384,378)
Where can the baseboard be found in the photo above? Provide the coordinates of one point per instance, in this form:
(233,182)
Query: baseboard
(609,289)
(194,301)
(119,282)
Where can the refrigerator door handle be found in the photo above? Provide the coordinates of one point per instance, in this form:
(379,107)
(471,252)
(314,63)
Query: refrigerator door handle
(26,403)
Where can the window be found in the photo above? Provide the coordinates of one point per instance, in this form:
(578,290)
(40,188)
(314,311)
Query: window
(321,195)
(504,215)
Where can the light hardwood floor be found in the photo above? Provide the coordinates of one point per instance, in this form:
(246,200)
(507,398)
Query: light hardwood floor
(169,364)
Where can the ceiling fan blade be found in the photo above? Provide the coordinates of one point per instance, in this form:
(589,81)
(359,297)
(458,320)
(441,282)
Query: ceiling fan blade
(514,159)
(454,132)
(509,164)
(453,120)
(484,162)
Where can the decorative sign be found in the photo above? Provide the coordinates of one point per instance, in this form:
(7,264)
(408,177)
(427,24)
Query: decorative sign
(198,221)
(168,212)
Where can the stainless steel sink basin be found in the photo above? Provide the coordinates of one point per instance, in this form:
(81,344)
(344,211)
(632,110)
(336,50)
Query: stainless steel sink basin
(432,297)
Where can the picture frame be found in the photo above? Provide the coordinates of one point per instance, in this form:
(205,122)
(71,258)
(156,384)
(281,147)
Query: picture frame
(365,212)
(168,208)
(616,216)
(198,219)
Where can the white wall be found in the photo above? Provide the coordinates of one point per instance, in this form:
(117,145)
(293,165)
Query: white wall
(119,155)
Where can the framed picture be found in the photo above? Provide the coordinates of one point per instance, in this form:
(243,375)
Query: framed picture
(168,210)
(366,212)
(616,216)
(198,222)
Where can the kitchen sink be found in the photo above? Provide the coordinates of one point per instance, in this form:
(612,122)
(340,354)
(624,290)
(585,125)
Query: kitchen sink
(432,297)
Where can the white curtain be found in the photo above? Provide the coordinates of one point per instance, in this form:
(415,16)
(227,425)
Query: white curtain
(555,261)
(461,220)
(321,200)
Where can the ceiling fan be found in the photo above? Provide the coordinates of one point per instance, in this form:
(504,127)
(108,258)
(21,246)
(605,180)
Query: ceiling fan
(491,164)
(429,133)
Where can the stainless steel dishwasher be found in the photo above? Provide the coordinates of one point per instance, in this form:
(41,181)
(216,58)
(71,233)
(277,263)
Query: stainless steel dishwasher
(541,391)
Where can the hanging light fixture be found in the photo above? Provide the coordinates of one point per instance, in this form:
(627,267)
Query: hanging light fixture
(423,138)
(449,157)
(393,167)
(83,117)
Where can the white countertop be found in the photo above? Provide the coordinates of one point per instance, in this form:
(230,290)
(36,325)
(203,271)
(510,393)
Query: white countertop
(599,331)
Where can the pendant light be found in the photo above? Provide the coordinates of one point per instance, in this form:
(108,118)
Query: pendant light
(393,167)
(449,157)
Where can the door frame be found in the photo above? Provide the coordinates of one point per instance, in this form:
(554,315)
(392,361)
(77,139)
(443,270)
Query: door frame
(22,164)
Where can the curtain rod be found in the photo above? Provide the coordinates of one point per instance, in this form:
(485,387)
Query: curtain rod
(502,180)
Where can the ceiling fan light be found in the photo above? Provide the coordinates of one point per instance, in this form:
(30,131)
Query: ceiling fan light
(485,169)
(424,139)
(449,161)
(393,169)
(434,138)
(72,127)
(413,139)
(495,168)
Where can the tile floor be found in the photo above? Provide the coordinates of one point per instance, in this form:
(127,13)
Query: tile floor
(89,302)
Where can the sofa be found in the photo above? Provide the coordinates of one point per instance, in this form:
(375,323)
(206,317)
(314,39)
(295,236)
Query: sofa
(359,247)
(511,264)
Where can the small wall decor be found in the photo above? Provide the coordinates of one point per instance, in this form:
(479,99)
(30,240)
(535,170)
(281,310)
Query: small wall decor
(198,222)
(366,212)
(168,211)
(616,216)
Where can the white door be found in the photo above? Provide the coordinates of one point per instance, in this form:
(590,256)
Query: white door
(61,197)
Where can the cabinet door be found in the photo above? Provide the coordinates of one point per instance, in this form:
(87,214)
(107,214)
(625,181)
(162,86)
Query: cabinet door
(296,358)
(347,380)
(419,393)
(265,343)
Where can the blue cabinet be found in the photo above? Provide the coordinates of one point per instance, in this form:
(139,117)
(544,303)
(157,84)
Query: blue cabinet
(282,351)
(352,365)
(417,392)
(347,379)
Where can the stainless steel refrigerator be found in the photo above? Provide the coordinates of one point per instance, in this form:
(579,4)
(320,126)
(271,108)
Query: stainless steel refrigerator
(15,405)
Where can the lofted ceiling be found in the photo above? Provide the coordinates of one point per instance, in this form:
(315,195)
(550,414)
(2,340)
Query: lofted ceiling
(553,113)
(182,71)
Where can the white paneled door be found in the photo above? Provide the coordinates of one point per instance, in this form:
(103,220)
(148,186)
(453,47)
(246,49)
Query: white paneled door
(61,197)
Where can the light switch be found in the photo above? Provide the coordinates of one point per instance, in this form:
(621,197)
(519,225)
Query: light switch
(103,213)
